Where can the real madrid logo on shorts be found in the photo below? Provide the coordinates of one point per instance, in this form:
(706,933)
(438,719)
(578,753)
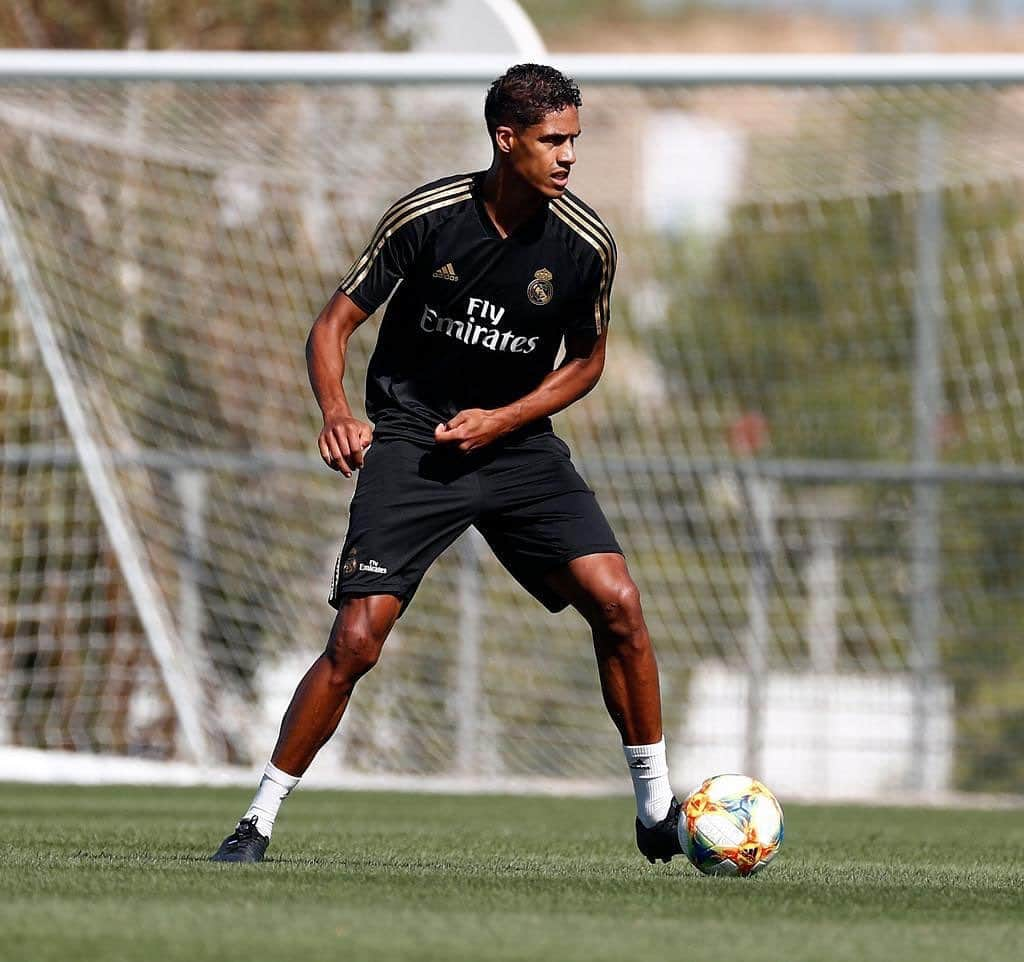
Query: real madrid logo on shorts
(350,562)
(540,290)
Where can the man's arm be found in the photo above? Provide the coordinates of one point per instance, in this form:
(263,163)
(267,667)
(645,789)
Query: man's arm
(575,376)
(343,437)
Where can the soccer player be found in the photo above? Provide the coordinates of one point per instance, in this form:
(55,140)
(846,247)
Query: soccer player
(489,273)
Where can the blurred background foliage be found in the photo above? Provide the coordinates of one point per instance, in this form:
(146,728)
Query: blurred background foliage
(201,24)
(698,26)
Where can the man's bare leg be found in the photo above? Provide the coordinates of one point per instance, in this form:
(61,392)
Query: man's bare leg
(355,643)
(600,588)
(357,637)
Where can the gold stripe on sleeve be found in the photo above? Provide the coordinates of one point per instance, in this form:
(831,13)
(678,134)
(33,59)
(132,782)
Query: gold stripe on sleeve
(606,251)
(398,210)
(352,282)
(601,232)
(599,227)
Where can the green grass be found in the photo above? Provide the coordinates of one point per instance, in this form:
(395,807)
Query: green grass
(118,873)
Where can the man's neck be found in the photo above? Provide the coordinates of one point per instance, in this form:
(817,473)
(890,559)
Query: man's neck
(509,201)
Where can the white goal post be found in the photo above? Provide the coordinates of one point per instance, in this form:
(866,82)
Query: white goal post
(809,436)
(655,70)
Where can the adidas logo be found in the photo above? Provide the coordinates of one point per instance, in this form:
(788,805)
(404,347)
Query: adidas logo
(446,273)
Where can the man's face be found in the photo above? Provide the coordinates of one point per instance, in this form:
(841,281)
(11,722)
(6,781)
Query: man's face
(543,154)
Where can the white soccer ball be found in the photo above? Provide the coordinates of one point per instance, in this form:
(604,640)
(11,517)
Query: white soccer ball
(731,825)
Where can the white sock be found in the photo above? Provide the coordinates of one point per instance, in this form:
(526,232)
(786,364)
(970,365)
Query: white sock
(649,770)
(274,788)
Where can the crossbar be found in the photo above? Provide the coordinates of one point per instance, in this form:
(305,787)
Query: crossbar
(671,70)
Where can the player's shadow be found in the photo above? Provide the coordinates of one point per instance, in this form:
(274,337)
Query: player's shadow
(131,858)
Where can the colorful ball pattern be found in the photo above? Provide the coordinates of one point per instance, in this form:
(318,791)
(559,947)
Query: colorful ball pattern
(731,825)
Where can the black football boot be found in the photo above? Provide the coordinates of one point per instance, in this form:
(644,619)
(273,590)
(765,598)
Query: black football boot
(660,841)
(244,844)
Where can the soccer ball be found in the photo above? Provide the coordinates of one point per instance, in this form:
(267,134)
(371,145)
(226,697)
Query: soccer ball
(730,825)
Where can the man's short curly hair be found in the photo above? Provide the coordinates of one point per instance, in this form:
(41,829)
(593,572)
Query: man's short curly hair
(525,94)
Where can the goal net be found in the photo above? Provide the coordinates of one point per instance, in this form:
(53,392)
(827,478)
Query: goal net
(809,436)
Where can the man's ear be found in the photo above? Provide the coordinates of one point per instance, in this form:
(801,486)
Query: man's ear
(504,138)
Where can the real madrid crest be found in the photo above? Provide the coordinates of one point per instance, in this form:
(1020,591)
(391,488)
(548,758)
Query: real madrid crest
(350,562)
(540,290)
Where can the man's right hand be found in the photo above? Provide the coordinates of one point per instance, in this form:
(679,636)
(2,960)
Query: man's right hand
(342,442)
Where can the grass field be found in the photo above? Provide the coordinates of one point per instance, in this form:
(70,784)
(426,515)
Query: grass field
(120,873)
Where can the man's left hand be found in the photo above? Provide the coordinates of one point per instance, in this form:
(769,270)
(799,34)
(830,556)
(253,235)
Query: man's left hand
(473,428)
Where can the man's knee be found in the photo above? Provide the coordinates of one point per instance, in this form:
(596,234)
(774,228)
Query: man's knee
(617,609)
(354,647)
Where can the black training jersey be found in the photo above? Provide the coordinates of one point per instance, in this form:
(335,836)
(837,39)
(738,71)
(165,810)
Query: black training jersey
(476,320)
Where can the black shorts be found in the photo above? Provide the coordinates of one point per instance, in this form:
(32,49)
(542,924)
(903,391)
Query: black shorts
(412,501)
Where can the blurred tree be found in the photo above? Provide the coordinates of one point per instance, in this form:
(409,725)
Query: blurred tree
(203,24)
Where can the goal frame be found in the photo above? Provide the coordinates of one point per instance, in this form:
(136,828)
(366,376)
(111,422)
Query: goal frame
(666,71)
(659,70)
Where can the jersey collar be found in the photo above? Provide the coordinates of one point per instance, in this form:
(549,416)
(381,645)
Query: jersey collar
(528,230)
